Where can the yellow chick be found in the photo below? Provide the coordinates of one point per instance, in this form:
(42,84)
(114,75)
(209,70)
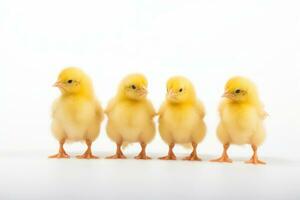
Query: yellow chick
(130,116)
(242,115)
(181,117)
(76,114)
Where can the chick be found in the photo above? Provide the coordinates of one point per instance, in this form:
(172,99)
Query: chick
(181,117)
(130,116)
(242,115)
(76,114)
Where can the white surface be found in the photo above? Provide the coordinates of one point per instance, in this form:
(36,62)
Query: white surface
(29,175)
(207,41)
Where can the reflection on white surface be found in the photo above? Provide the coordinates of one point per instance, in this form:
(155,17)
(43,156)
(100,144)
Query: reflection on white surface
(37,177)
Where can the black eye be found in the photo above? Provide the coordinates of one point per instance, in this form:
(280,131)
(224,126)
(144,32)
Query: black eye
(238,91)
(133,87)
(70,81)
(180,90)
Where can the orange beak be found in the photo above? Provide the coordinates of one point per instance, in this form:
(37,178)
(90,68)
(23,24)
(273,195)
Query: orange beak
(171,94)
(228,95)
(143,91)
(58,84)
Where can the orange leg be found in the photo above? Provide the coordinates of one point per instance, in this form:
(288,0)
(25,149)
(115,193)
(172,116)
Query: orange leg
(61,152)
(224,157)
(171,155)
(88,153)
(193,156)
(119,154)
(142,155)
(254,159)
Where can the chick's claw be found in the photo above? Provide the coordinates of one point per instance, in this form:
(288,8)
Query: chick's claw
(171,155)
(223,159)
(116,156)
(192,158)
(255,161)
(87,156)
(168,157)
(60,155)
(142,157)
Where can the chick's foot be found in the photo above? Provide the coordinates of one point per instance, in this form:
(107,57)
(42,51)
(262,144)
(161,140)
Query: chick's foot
(142,156)
(223,159)
(254,160)
(87,156)
(60,155)
(170,156)
(119,154)
(88,153)
(192,157)
(61,152)
(116,156)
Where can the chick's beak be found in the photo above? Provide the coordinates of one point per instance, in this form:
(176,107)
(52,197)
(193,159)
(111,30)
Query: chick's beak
(143,91)
(228,95)
(171,94)
(58,84)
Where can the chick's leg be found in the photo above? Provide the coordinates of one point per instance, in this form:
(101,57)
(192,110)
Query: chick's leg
(171,155)
(254,159)
(61,152)
(193,155)
(88,153)
(224,157)
(142,155)
(119,154)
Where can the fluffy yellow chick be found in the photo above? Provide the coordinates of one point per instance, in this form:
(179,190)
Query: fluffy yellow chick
(181,117)
(242,115)
(130,116)
(76,114)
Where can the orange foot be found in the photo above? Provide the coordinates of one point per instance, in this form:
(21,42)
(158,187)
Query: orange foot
(255,161)
(117,156)
(60,155)
(168,157)
(87,156)
(142,156)
(223,159)
(192,157)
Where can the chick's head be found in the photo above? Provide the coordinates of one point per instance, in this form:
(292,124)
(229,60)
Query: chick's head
(133,87)
(241,90)
(180,90)
(73,80)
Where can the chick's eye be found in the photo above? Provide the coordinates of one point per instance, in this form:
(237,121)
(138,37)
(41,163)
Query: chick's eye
(180,90)
(238,91)
(133,87)
(70,81)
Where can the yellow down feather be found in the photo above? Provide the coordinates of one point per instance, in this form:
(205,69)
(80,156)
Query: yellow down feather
(76,114)
(181,116)
(241,114)
(130,113)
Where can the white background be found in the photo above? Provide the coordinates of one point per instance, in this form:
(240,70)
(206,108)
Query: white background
(206,41)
